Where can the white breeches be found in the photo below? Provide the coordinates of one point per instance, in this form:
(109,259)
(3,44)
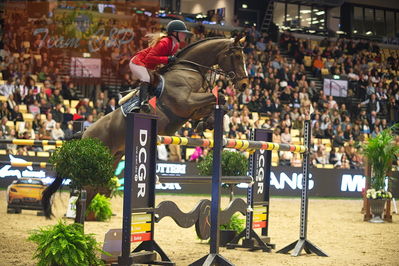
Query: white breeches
(139,72)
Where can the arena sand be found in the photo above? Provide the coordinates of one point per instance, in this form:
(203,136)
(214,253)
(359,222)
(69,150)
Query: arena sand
(335,226)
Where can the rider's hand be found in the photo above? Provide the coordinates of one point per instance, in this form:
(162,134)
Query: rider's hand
(171,59)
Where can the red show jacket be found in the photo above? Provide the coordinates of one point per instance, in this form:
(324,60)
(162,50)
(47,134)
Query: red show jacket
(152,56)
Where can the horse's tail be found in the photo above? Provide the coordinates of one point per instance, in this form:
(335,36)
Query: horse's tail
(46,196)
(51,189)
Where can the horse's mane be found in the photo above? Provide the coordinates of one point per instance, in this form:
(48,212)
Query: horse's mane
(185,49)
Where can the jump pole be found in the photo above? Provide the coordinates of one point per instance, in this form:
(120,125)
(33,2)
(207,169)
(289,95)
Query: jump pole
(303,242)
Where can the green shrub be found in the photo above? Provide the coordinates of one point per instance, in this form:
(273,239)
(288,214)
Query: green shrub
(101,207)
(233,164)
(87,162)
(63,244)
(236,223)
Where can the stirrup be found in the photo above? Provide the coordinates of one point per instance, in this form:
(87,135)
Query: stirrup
(145,106)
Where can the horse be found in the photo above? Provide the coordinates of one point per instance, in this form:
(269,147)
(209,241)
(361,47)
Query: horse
(184,97)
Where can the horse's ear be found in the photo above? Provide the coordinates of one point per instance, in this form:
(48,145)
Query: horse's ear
(239,40)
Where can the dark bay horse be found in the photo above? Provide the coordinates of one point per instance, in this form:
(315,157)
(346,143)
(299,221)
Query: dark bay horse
(183,98)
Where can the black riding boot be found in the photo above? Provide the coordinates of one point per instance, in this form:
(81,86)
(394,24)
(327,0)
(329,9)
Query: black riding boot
(143,97)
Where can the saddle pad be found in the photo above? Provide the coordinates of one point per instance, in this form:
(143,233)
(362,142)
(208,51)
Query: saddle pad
(128,106)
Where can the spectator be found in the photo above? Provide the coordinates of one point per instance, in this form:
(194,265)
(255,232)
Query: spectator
(317,65)
(4,128)
(345,164)
(175,153)
(56,98)
(8,88)
(333,158)
(11,102)
(49,123)
(246,96)
(111,106)
(320,157)
(45,107)
(34,108)
(285,158)
(371,104)
(16,115)
(4,112)
(57,113)
(88,122)
(296,160)
(339,140)
(67,116)
(162,153)
(12,148)
(286,136)
(100,102)
(29,130)
(276,135)
(57,133)
(276,106)
(393,111)
(317,131)
(44,134)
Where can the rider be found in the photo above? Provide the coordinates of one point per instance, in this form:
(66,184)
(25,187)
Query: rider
(160,51)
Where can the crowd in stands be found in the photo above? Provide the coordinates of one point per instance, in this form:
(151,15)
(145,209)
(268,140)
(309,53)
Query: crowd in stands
(40,101)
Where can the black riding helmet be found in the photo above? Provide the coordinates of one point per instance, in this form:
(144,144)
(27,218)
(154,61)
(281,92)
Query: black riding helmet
(177,26)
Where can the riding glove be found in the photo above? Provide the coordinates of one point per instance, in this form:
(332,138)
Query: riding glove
(171,59)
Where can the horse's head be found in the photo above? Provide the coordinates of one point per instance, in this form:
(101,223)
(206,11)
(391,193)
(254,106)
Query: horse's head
(232,61)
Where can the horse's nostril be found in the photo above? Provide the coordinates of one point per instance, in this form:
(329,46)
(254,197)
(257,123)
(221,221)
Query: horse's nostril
(244,86)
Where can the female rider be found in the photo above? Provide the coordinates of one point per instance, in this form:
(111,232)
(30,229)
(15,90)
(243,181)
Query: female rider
(160,51)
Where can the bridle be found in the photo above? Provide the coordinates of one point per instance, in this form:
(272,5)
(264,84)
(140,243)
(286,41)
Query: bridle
(230,75)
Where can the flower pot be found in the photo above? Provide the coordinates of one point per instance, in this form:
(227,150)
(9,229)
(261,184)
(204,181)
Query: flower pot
(226,236)
(91,216)
(377,209)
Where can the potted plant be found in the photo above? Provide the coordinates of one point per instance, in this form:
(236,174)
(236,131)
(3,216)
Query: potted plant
(233,164)
(99,209)
(88,164)
(230,230)
(64,244)
(380,151)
